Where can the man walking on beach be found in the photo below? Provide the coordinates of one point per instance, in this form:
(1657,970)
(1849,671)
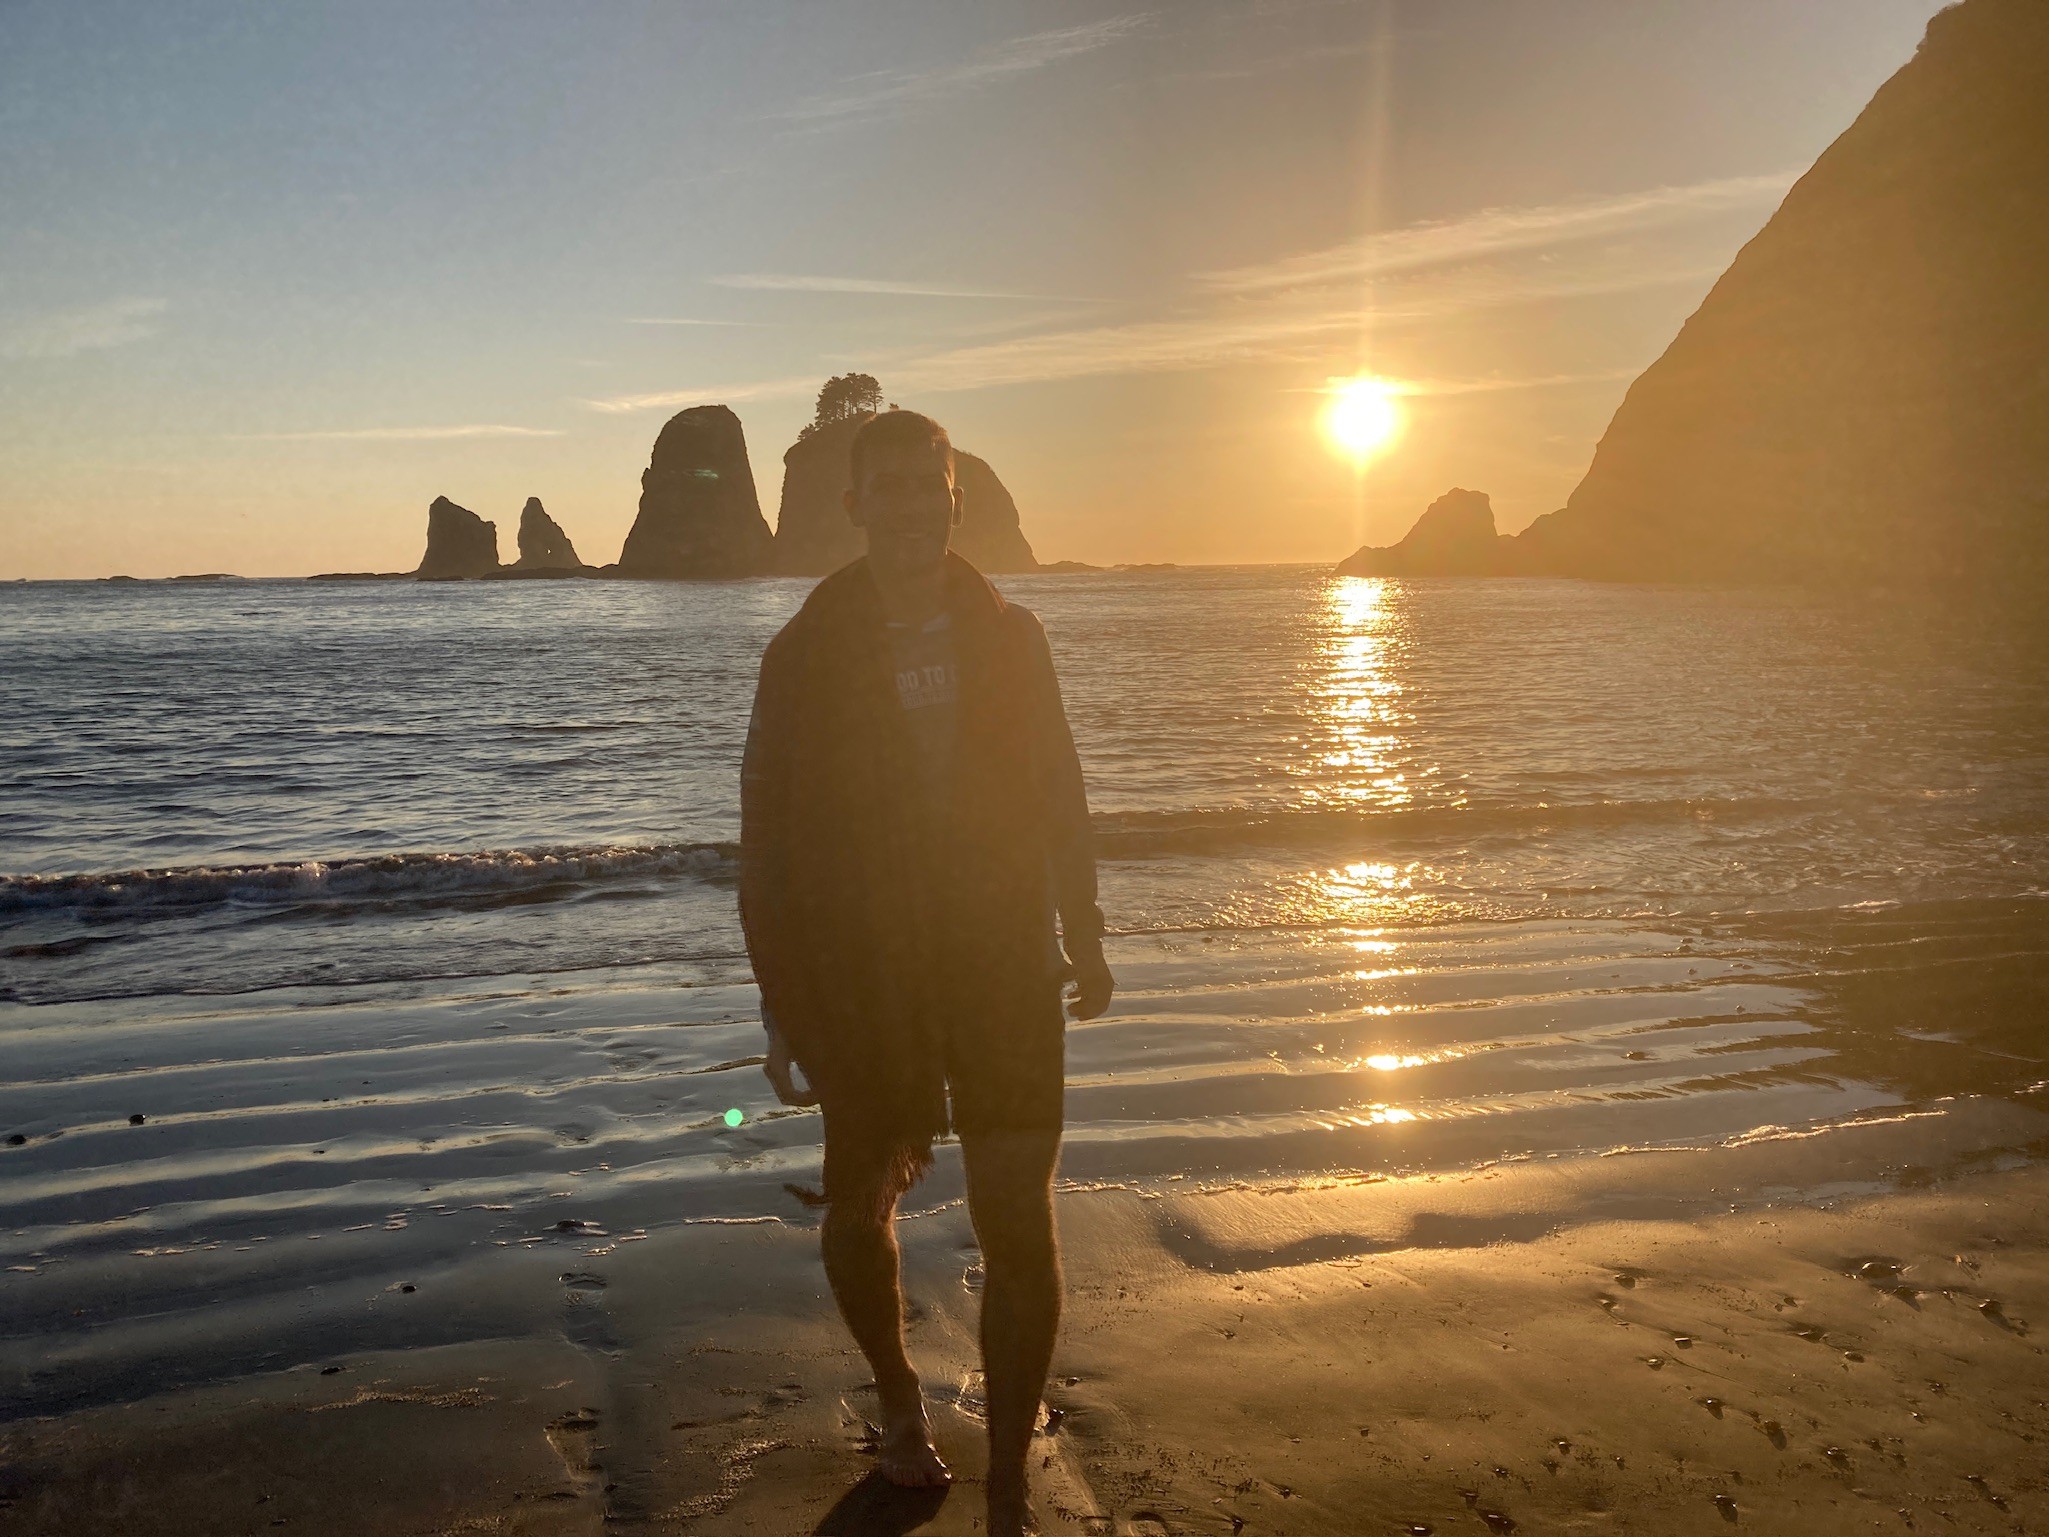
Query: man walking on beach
(912,817)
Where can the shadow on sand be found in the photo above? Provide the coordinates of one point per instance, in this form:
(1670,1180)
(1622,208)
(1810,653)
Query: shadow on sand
(875,1507)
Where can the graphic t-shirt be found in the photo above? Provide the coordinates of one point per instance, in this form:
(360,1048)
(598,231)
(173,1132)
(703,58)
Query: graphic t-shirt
(928,688)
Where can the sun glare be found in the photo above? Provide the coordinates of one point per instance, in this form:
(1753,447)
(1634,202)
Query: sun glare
(1364,416)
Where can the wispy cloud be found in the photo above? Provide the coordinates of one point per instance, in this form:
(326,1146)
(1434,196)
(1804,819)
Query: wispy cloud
(685,320)
(89,328)
(790,282)
(1494,385)
(1497,231)
(402,434)
(1295,308)
(795,387)
(1265,331)
(884,91)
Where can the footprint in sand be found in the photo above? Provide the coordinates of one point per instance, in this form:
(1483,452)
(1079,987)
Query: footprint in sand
(574,1437)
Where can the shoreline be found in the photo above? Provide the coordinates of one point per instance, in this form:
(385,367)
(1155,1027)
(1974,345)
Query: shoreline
(1351,1357)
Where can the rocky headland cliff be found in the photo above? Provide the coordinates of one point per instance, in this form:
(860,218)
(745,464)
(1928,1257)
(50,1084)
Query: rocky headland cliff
(459,544)
(699,516)
(1862,397)
(813,535)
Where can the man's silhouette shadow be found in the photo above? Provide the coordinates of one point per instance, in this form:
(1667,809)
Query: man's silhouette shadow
(875,1507)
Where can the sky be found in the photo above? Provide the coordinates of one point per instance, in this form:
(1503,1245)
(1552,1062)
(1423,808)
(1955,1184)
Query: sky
(274,277)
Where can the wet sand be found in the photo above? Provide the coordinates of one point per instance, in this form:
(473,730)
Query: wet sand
(1469,1352)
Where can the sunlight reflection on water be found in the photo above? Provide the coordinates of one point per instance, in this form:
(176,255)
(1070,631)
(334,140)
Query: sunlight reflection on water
(1357,680)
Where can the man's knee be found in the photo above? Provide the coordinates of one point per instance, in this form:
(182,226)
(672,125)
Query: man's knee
(1010,1199)
(863,1185)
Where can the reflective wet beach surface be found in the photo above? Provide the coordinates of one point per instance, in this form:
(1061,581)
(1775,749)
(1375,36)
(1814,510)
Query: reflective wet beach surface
(431,957)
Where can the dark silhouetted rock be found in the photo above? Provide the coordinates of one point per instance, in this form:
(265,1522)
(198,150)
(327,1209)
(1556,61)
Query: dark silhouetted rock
(989,535)
(542,544)
(459,544)
(1454,537)
(1864,395)
(699,516)
(813,535)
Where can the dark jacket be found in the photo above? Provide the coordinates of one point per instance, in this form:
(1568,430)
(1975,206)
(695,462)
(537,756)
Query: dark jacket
(888,934)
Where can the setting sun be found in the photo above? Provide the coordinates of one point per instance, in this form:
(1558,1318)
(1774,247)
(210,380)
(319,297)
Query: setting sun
(1363,416)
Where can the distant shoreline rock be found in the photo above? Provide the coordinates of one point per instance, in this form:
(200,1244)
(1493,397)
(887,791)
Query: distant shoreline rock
(1455,536)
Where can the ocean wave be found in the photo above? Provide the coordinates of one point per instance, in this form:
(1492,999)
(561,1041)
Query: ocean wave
(412,877)
(510,874)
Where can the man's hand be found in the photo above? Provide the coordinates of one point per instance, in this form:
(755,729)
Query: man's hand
(1093,984)
(780,1077)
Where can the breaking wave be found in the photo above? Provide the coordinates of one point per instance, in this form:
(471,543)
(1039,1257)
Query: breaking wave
(566,871)
(417,877)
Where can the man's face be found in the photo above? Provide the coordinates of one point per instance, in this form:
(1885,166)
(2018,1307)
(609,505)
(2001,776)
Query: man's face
(907,504)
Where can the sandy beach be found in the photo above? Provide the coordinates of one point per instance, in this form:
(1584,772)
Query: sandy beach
(368,1160)
(1435,1354)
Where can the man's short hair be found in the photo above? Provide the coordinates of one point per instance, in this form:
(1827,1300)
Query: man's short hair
(896,429)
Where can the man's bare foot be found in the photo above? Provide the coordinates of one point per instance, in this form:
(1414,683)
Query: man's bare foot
(1010,1513)
(905,1452)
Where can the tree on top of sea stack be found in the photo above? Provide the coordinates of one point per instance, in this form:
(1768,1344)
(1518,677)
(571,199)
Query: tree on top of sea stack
(1864,395)
(844,398)
(699,516)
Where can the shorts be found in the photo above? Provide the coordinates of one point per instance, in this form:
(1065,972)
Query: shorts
(1005,1070)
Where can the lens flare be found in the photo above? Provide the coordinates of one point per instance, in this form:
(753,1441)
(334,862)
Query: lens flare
(1364,416)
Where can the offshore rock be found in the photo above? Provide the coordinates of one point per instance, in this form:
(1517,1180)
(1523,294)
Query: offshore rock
(699,517)
(1454,537)
(813,535)
(990,535)
(459,544)
(1863,395)
(542,544)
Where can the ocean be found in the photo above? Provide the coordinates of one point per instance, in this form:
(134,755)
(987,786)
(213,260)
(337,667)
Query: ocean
(351,930)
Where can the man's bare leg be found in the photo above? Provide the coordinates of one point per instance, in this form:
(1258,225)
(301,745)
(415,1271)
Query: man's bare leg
(858,1238)
(1010,1197)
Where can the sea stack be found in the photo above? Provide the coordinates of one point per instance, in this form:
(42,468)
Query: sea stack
(542,544)
(459,544)
(1454,537)
(1864,395)
(699,516)
(813,535)
(990,534)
